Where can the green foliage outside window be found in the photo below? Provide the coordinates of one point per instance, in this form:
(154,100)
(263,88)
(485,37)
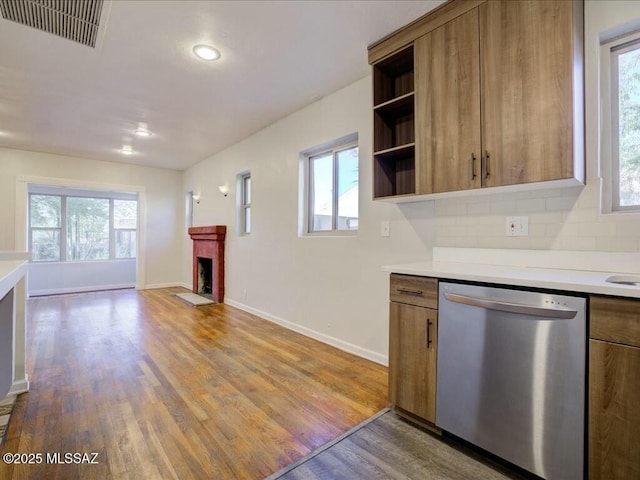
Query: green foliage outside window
(85,228)
(629,127)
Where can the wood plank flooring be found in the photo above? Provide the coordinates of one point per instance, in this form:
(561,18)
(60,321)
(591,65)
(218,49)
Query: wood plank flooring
(387,447)
(161,389)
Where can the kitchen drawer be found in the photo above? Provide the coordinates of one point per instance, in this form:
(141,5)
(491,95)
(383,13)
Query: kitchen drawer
(615,320)
(412,290)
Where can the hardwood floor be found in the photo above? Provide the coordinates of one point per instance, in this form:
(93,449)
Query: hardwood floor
(161,389)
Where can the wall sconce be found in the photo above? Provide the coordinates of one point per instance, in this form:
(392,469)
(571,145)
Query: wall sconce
(196,197)
(224,190)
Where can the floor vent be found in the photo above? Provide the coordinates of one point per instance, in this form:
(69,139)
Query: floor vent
(76,20)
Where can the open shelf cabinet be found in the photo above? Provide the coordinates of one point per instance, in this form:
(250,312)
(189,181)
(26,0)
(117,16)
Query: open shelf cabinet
(394,125)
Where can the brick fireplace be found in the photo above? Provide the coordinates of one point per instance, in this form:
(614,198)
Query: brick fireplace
(208,261)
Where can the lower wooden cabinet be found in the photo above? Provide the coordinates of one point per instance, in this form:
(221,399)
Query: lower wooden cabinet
(614,427)
(614,389)
(413,333)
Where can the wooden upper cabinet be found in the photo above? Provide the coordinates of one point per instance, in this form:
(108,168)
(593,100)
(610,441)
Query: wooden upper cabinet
(527,68)
(447,84)
(498,92)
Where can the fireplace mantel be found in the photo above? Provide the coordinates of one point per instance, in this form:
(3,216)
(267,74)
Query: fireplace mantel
(208,243)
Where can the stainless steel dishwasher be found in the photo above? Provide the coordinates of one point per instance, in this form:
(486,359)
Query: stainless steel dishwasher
(511,375)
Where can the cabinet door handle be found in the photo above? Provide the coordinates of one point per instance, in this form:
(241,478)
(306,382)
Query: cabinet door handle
(486,163)
(408,291)
(429,341)
(473,166)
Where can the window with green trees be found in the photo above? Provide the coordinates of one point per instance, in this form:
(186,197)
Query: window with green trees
(78,228)
(625,125)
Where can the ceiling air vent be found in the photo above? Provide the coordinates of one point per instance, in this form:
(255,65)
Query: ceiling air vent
(76,20)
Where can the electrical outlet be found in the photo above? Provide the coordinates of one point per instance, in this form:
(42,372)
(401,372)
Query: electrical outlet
(517,227)
(244,293)
(385,230)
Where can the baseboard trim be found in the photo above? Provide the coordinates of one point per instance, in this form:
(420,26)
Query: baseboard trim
(92,288)
(160,285)
(19,386)
(329,340)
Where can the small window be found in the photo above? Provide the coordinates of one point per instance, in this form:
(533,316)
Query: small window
(188,209)
(625,124)
(125,220)
(46,227)
(244,205)
(333,190)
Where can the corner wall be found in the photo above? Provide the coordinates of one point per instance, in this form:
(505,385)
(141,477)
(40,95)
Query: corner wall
(164,202)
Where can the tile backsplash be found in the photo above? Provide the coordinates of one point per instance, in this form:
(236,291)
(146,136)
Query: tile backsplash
(559,219)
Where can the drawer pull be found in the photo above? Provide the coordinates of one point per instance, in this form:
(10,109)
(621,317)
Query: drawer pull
(408,291)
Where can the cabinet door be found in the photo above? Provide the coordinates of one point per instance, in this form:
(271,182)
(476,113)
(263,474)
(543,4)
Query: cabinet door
(526,61)
(447,83)
(413,335)
(614,413)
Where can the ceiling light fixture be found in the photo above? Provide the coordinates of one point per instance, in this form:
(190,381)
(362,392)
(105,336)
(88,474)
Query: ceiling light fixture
(206,52)
(127,150)
(142,130)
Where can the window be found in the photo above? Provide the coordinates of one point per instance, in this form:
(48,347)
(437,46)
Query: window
(81,228)
(125,220)
(87,228)
(625,124)
(46,227)
(333,190)
(244,205)
(188,209)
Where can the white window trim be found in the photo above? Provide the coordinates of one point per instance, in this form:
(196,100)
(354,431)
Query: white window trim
(608,164)
(305,215)
(241,206)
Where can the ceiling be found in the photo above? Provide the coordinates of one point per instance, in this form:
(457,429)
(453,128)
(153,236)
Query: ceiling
(58,96)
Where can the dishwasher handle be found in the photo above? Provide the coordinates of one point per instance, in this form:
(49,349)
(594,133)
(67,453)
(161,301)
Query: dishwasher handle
(510,307)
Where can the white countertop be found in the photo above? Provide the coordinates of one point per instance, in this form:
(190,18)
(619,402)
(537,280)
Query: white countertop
(487,265)
(13,266)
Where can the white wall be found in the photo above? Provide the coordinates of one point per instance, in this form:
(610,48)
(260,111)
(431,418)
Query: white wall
(48,278)
(163,223)
(332,288)
(329,287)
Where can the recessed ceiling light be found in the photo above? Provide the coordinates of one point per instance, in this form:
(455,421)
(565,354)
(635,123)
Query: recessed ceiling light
(127,150)
(142,130)
(206,52)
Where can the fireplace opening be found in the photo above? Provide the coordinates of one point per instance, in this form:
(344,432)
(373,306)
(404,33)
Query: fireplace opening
(205,276)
